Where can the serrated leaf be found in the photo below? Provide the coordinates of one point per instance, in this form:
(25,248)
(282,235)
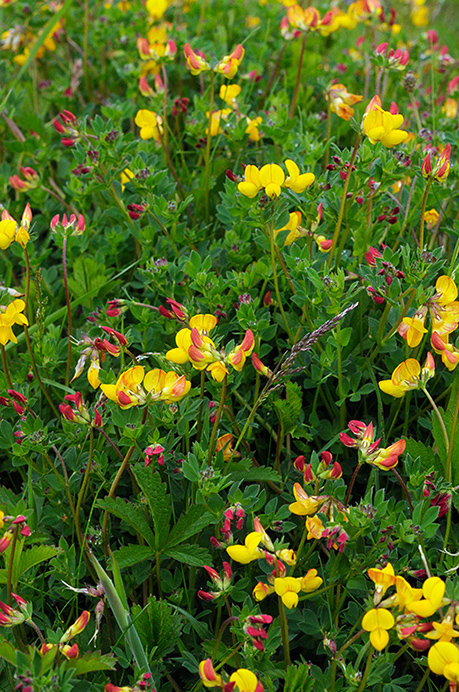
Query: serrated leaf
(130,555)
(289,409)
(132,514)
(189,524)
(159,627)
(158,499)
(298,678)
(88,276)
(192,555)
(91,661)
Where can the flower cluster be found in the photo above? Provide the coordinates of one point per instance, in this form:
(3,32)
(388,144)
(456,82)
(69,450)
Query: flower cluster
(272,178)
(196,347)
(11,231)
(408,375)
(383,126)
(242,680)
(9,315)
(368,448)
(134,387)
(69,651)
(227,66)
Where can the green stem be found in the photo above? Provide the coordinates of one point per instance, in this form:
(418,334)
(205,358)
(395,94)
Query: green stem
(343,200)
(201,396)
(415,111)
(342,406)
(284,632)
(276,282)
(423,208)
(327,136)
(404,488)
(443,427)
(367,670)
(27,337)
(420,687)
(69,312)
(299,550)
(217,421)
(5,368)
(298,78)
(86,47)
(116,480)
(9,577)
(84,486)
(209,136)
(351,484)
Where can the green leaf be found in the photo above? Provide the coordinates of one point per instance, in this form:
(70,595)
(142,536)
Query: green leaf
(130,555)
(289,409)
(258,473)
(192,555)
(132,514)
(159,627)
(298,678)
(7,651)
(189,524)
(88,276)
(34,556)
(90,661)
(158,500)
(439,438)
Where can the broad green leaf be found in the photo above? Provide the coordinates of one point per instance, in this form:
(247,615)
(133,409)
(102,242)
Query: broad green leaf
(88,276)
(159,627)
(257,473)
(131,514)
(90,661)
(158,499)
(129,555)
(34,556)
(192,555)
(189,524)
(8,651)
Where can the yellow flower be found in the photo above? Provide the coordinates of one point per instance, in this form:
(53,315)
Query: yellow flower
(7,233)
(126,176)
(10,315)
(252,128)
(304,504)
(208,675)
(287,588)
(2,514)
(443,631)
(261,590)
(293,226)
(225,443)
(245,680)
(217,116)
(248,552)
(431,218)
(408,375)
(296,182)
(272,178)
(310,582)
(229,93)
(229,63)
(433,590)
(443,659)
(251,185)
(420,17)
(156,8)
(381,126)
(150,124)
(406,594)
(377,621)
(449,108)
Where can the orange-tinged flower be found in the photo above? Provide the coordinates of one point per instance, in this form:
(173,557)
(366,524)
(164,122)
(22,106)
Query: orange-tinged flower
(315,528)
(450,108)
(261,590)
(439,169)
(195,62)
(229,64)
(443,631)
(166,386)
(382,126)
(158,386)
(383,578)
(304,504)
(252,128)
(248,552)
(303,19)
(238,355)
(406,594)
(341,101)
(288,588)
(208,675)
(77,627)
(449,353)
(408,375)
(12,314)
(217,117)
(377,621)
(388,458)
(225,443)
